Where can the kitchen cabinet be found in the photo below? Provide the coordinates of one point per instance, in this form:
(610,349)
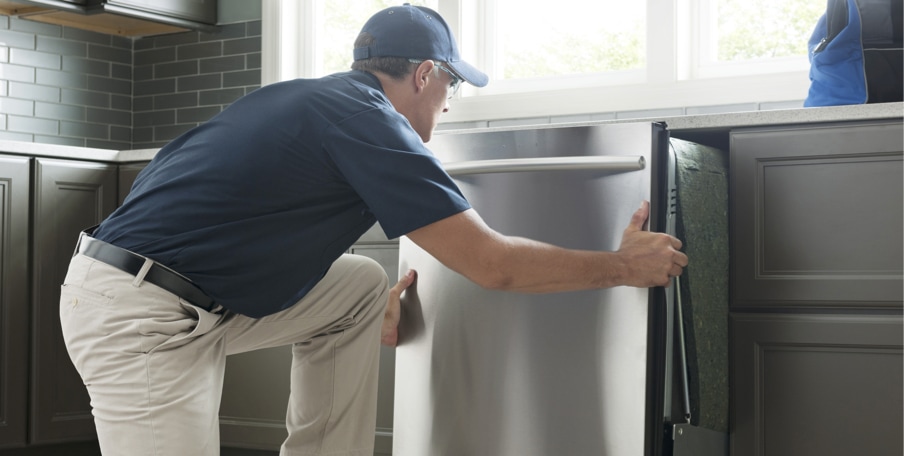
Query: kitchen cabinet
(203,11)
(816,289)
(43,399)
(15,194)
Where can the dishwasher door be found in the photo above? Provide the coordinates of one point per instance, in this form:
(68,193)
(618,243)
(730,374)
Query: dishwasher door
(495,373)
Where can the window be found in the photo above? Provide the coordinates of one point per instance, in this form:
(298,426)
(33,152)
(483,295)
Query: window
(577,56)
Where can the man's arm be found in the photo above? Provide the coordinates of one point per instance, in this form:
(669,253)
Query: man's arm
(465,244)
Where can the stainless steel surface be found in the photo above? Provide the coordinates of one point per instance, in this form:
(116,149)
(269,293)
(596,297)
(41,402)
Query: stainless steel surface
(495,373)
(545,164)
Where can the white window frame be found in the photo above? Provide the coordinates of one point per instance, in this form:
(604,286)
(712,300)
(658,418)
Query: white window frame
(675,76)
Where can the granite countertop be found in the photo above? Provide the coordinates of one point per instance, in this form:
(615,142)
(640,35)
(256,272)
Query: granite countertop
(705,122)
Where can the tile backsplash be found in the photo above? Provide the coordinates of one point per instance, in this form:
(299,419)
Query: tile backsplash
(61,85)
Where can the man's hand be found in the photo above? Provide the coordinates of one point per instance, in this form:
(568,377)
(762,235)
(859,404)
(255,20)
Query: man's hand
(650,259)
(389,333)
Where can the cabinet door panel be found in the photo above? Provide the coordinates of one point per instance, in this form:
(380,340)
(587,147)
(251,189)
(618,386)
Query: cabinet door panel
(14,240)
(826,385)
(817,216)
(69,197)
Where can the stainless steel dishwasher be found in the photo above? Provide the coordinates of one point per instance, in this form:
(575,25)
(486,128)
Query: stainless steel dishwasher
(581,373)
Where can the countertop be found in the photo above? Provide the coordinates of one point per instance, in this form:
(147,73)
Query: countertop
(693,127)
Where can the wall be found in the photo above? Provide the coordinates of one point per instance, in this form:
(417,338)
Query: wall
(61,85)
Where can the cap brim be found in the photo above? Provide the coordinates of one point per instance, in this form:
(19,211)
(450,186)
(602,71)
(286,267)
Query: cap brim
(469,73)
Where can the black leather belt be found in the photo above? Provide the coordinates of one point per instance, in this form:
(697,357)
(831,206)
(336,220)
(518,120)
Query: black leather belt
(158,274)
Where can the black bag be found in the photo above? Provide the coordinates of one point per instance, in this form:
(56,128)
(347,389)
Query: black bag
(856,53)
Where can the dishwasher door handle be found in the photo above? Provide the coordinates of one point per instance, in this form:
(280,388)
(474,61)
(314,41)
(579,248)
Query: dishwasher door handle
(515,165)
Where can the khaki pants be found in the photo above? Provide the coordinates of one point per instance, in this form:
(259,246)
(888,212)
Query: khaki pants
(153,364)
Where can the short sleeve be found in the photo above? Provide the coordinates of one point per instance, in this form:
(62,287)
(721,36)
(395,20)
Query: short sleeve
(403,184)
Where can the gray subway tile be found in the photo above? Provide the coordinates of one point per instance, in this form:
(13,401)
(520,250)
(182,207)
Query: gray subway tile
(85,98)
(202,114)
(121,102)
(110,54)
(154,56)
(62,46)
(253,60)
(253,28)
(200,50)
(154,118)
(241,78)
(84,129)
(12,72)
(142,73)
(178,100)
(120,71)
(142,135)
(222,64)
(121,42)
(242,46)
(35,59)
(16,136)
(62,79)
(250,89)
(108,116)
(4,54)
(60,111)
(17,39)
(121,134)
(219,97)
(17,107)
(33,125)
(154,87)
(34,92)
(37,28)
(60,140)
(175,39)
(170,70)
(86,66)
(110,85)
(203,82)
(142,44)
(144,103)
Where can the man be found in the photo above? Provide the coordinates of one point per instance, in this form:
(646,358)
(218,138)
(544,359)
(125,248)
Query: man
(232,240)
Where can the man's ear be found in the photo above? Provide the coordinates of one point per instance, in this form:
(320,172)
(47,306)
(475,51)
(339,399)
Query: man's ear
(422,74)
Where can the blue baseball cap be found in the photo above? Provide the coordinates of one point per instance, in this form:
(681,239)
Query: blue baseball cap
(416,32)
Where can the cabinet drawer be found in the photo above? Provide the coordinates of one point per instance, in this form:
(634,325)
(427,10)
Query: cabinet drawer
(816,216)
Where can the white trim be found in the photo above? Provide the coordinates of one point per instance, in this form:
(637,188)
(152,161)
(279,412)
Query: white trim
(668,94)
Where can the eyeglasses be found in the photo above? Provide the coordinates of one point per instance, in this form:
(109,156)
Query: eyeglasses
(456,81)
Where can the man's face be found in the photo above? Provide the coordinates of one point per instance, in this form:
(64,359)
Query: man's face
(434,102)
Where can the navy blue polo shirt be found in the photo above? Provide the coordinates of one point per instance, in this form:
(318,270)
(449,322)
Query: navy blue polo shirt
(256,204)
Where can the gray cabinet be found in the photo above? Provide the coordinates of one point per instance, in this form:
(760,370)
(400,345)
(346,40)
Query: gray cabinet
(15,191)
(204,11)
(45,203)
(817,215)
(69,197)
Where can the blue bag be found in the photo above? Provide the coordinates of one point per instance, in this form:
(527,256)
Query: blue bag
(856,53)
